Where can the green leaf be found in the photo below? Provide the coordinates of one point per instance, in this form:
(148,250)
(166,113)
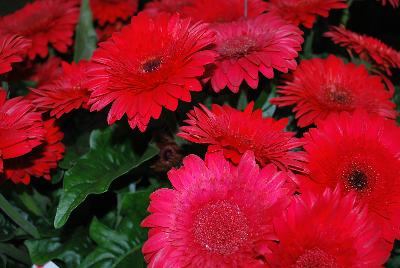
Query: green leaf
(15,253)
(95,171)
(242,102)
(114,249)
(71,250)
(85,37)
(263,102)
(7,228)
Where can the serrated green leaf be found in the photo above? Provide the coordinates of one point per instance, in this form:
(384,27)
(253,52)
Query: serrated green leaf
(114,249)
(85,37)
(71,250)
(95,171)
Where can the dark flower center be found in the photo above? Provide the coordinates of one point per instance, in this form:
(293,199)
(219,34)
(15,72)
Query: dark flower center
(316,258)
(220,227)
(358,180)
(151,65)
(338,95)
(237,46)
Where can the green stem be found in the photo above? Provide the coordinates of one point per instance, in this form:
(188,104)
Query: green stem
(17,218)
(15,253)
(346,13)
(308,45)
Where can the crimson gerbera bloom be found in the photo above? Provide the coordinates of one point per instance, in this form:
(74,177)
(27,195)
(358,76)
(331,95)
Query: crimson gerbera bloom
(46,72)
(44,22)
(234,132)
(110,10)
(66,93)
(255,45)
(21,129)
(40,161)
(320,87)
(394,3)
(217,215)
(152,63)
(303,12)
(223,11)
(368,48)
(13,48)
(360,152)
(169,6)
(328,230)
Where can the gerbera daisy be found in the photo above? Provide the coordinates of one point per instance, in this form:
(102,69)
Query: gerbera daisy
(255,45)
(223,11)
(105,32)
(303,12)
(394,3)
(361,152)
(234,132)
(21,129)
(152,63)
(66,93)
(44,22)
(13,48)
(320,87)
(110,10)
(170,6)
(46,72)
(217,215)
(40,161)
(368,48)
(327,230)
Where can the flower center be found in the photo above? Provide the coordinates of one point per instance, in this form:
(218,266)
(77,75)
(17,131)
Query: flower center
(220,227)
(237,46)
(151,65)
(358,180)
(359,176)
(338,95)
(316,258)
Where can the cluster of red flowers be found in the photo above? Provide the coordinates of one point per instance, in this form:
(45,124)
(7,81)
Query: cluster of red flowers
(263,197)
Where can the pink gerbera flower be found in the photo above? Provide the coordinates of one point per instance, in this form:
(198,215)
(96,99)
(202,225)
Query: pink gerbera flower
(234,132)
(320,87)
(328,230)
(303,12)
(13,48)
(44,22)
(217,215)
(255,45)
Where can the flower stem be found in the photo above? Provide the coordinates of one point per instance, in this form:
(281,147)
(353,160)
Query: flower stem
(17,218)
(346,13)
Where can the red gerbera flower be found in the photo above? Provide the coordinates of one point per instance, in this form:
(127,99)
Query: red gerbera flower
(105,32)
(394,3)
(110,10)
(368,48)
(234,132)
(40,161)
(153,8)
(303,12)
(327,230)
(21,129)
(361,152)
(44,22)
(13,48)
(47,72)
(255,45)
(152,63)
(216,215)
(222,11)
(66,93)
(320,87)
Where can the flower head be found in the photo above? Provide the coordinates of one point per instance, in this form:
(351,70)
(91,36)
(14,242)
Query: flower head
(250,46)
(360,152)
(320,87)
(217,215)
(21,129)
(222,11)
(303,12)
(368,48)
(170,6)
(40,161)
(108,11)
(44,22)
(234,132)
(47,72)
(13,48)
(328,230)
(152,63)
(66,93)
